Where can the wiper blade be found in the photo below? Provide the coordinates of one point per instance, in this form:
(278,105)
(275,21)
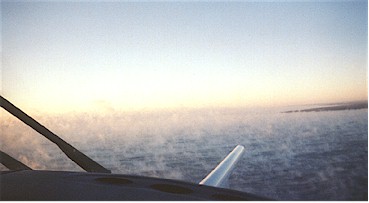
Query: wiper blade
(11,163)
(76,156)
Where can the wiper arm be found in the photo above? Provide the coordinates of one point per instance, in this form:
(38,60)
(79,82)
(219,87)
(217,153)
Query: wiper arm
(11,163)
(76,156)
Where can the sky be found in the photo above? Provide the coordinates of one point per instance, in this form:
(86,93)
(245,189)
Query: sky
(60,56)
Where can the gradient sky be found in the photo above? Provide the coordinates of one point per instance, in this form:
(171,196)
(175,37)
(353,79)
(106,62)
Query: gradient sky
(64,56)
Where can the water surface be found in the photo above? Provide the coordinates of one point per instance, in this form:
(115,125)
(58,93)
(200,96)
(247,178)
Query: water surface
(297,156)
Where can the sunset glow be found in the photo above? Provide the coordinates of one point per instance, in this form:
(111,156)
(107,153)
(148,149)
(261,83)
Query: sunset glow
(85,56)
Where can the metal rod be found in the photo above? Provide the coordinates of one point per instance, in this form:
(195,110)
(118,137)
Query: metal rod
(219,176)
(76,156)
(11,163)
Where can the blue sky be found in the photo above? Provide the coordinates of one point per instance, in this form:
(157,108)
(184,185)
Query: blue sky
(58,56)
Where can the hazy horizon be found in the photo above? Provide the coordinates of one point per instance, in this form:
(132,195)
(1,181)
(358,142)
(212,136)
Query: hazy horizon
(296,156)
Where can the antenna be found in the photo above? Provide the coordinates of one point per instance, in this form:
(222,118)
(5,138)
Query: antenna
(76,156)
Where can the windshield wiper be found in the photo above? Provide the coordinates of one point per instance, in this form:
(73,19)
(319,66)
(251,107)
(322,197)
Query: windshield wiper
(11,163)
(76,156)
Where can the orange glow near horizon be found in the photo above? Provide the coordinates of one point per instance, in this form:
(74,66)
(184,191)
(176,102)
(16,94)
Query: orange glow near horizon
(164,96)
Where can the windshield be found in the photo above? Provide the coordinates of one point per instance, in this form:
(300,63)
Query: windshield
(168,89)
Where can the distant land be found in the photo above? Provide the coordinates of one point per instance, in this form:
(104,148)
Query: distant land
(335,107)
